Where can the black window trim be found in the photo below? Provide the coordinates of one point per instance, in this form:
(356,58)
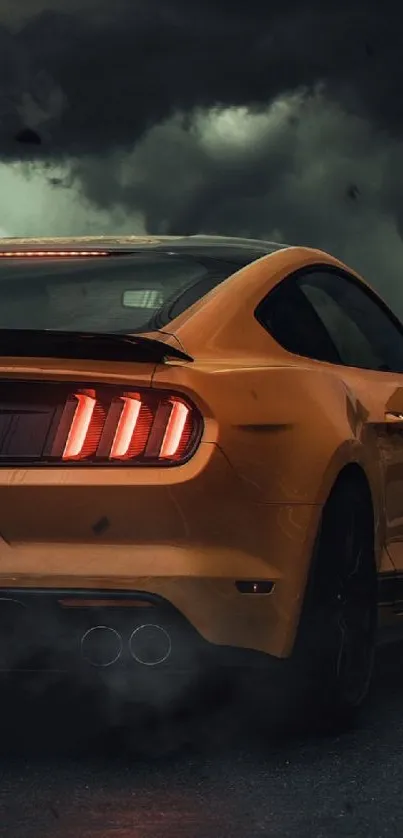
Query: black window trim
(316,267)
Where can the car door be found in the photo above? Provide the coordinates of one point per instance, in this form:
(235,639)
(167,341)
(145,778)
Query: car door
(369,342)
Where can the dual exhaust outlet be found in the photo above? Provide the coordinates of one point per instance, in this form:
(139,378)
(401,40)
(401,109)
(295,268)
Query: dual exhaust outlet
(149,645)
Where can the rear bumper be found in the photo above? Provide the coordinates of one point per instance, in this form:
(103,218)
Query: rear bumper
(209,585)
(86,631)
(184,536)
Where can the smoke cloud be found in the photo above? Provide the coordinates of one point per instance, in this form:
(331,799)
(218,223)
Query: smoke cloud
(242,119)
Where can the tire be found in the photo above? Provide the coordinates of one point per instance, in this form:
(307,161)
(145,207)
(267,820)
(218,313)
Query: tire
(333,657)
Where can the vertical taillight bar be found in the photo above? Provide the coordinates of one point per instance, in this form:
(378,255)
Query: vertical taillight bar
(157,432)
(80,426)
(125,428)
(174,429)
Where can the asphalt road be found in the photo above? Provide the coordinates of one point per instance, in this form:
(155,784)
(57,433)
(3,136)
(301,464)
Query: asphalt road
(64,774)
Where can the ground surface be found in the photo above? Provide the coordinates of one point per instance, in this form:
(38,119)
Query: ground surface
(75,780)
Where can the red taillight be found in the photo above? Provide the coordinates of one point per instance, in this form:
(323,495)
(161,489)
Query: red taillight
(174,429)
(127,427)
(87,417)
(80,425)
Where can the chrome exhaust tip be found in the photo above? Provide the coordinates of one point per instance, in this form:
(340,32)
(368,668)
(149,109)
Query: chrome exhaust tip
(150,645)
(101,646)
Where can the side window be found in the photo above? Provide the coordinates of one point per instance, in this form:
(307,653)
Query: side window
(290,318)
(364,334)
(329,316)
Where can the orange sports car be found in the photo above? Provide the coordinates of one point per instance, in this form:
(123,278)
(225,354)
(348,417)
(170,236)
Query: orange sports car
(201,458)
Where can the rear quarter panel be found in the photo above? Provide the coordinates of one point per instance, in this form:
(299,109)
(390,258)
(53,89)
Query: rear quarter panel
(287,431)
(288,425)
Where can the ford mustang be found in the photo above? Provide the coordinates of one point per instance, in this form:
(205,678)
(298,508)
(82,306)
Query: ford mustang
(201,458)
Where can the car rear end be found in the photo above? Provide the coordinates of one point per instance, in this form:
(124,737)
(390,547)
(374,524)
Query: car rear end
(109,493)
(128,541)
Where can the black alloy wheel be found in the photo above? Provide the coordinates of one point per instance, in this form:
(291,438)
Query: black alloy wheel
(334,652)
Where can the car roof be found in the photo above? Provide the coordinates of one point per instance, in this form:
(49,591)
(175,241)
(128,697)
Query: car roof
(239,250)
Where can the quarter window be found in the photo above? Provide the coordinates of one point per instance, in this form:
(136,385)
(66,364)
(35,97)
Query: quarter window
(360,330)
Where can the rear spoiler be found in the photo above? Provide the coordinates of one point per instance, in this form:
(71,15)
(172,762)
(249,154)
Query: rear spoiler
(93,346)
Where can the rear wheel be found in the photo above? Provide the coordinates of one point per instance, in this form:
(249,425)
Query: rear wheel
(334,652)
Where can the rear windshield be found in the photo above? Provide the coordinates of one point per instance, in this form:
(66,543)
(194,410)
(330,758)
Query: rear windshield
(104,294)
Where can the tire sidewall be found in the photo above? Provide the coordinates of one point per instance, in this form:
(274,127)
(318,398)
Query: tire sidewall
(323,686)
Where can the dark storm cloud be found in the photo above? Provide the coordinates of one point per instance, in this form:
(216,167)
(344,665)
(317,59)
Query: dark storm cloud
(135,99)
(118,74)
(304,172)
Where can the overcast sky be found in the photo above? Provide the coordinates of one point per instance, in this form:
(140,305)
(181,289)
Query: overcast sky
(271,120)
